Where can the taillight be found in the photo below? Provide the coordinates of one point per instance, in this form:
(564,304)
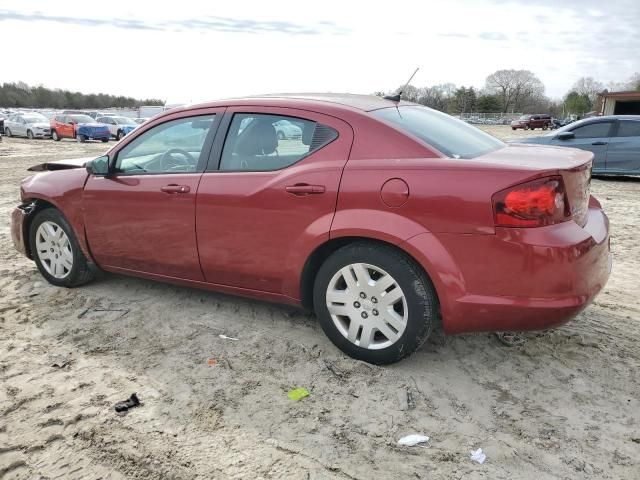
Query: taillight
(533,204)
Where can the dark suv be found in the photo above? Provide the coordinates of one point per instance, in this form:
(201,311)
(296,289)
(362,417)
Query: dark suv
(532,122)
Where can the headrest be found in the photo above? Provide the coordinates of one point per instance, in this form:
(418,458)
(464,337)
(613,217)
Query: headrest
(259,138)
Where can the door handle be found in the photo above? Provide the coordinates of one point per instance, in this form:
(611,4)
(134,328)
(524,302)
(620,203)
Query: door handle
(599,143)
(304,189)
(175,189)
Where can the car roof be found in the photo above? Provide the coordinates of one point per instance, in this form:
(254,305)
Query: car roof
(352,101)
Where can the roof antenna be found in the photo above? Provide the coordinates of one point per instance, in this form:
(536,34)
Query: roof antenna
(397,96)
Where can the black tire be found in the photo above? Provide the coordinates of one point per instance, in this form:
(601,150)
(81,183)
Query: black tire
(105,140)
(513,128)
(55,136)
(81,138)
(7,132)
(30,135)
(80,272)
(526,127)
(120,135)
(544,127)
(420,296)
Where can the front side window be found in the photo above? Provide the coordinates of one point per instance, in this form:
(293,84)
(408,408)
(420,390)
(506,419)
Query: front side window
(171,147)
(262,142)
(629,128)
(453,137)
(593,130)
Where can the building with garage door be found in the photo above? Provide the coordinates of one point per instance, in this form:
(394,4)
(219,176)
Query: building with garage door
(618,103)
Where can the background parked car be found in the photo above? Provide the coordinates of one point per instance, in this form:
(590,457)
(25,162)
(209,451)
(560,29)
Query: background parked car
(286,130)
(532,122)
(80,127)
(140,120)
(118,126)
(30,125)
(614,140)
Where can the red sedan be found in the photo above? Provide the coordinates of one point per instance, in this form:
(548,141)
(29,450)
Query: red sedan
(384,217)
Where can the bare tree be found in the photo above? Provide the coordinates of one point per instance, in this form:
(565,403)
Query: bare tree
(514,88)
(589,87)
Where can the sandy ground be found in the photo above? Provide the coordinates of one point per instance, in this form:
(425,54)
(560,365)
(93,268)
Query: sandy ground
(566,405)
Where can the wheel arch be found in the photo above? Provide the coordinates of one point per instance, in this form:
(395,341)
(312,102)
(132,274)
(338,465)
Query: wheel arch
(323,251)
(32,207)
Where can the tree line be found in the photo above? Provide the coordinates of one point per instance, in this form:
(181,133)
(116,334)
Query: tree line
(512,91)
(21,95)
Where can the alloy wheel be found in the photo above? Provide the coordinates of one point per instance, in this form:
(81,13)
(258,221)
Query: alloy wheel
(54,249)
(367,306)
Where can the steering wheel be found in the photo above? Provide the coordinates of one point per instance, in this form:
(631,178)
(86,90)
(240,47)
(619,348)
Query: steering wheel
(168,161)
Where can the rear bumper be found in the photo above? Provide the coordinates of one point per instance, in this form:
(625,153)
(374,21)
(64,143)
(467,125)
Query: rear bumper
(519,278)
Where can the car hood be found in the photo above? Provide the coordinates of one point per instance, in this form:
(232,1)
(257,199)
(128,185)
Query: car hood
(60,164)
(93,125)
(39,125)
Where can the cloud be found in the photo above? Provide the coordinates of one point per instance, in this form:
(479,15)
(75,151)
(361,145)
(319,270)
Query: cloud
(205,24)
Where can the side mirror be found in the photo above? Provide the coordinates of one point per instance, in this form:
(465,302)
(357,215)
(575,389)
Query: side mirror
(98,166)
(565,136)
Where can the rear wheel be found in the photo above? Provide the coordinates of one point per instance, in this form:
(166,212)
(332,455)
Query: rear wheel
(55,136)
(544,127)
(56,251)
(374,302)
(105,140)
(81,138)
(120,135)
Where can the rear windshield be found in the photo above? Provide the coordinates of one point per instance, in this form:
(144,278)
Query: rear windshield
(452,137)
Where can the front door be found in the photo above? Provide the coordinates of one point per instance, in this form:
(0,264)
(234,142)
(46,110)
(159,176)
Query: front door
(593,137)
(623,154)
(142,217)
(269,196)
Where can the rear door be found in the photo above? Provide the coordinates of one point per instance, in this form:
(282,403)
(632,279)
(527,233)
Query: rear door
(593,137)
(623,154)
(268,198)
(142,218)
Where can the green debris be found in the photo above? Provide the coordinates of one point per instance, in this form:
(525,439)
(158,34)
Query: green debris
(298,394)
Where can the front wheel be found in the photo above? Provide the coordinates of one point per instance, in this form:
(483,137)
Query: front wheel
(55,136)
(105,140)
(7,132)
(81,138)
(374,302)
(29,134)
(56,251)
(120,135)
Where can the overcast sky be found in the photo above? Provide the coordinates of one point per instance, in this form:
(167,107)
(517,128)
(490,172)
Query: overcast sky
(187,51)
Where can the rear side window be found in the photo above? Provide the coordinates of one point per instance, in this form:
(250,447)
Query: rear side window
(452,137)
(629,128)
(593,130)
(261,142)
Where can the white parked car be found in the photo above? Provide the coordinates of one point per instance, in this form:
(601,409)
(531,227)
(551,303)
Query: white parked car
(118,126)
(30,125)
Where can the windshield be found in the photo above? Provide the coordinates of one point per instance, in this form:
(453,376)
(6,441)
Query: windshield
(124,121)
(452,137)
(35,118)
(83,119)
